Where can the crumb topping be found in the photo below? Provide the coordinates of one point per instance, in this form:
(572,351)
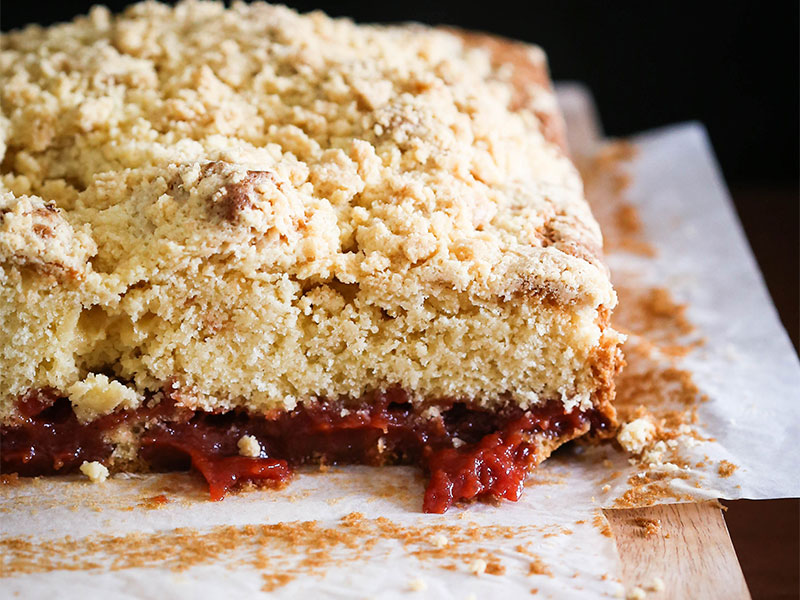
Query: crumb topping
(98,395)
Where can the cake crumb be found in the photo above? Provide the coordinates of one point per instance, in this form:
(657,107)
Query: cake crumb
(537,567)
(726,468)
(635,593)
(95,471)
(249,446)
(478,566)
(648,527)
(97,395)
(657,585)
(418,585)
(635,436)
(440,541)
(495,568)
(601,523)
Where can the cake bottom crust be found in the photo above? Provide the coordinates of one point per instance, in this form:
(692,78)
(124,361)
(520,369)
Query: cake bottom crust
(468,452)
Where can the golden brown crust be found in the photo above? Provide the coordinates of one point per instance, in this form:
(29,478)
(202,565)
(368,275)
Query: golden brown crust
(607,361)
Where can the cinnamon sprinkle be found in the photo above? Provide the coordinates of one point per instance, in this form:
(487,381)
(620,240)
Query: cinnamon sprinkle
(281,552)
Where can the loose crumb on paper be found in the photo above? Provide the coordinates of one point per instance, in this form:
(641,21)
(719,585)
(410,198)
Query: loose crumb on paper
(601,523)
(478,566)
(538,567)
(417,585)
(95,471)
(635,436)
(726,468)
(636,593)
(494,567)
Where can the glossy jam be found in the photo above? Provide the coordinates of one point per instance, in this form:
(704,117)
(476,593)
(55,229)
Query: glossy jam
(495,450)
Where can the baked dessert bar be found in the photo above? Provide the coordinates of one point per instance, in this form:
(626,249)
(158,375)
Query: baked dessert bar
(248,239)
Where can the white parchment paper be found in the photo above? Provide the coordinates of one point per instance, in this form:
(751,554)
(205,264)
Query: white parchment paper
(747,368)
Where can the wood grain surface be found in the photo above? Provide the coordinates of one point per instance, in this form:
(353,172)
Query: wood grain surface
(685,546)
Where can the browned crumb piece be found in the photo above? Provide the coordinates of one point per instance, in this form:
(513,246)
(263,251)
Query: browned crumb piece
(726,468)
(648,494)
(601,523)
(495,568)
(648,527)
(537,567)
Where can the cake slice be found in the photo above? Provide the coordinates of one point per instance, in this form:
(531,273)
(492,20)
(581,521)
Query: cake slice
(247,239)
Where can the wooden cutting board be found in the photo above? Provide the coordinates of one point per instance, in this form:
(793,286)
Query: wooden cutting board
(686,546)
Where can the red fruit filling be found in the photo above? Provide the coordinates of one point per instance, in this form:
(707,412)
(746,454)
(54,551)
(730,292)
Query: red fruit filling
(494,453)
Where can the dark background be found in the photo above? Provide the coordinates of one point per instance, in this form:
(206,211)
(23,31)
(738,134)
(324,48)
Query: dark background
(731,65)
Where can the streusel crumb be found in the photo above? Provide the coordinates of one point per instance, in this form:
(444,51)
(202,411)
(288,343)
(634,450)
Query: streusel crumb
(249,446)
(95,471)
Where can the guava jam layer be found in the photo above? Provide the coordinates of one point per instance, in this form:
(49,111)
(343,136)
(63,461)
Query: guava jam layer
(468,452)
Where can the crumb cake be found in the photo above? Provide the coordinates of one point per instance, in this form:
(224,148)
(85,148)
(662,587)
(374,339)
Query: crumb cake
(245,239)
